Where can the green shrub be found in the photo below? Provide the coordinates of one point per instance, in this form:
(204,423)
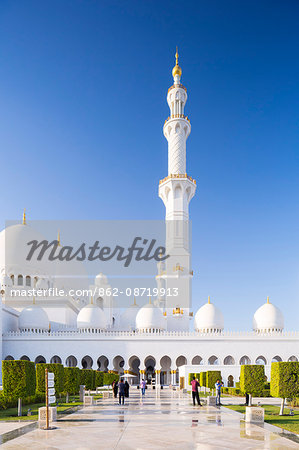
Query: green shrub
(108,378)
(71,380)
(99,381)
(237,384)
(8,401)
(19,379)
(212,377)
(58,371)
(266,393)
(285,379)
(203,378)
(267,385)
(87,378)
(252,379)
(196,375)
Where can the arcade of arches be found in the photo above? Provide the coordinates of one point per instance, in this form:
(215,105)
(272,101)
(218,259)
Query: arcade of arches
(163,370)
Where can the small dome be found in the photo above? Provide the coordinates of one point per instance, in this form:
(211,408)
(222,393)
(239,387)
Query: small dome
(33,317)
(176,71)
(208,319)
(268,318)
(101,279)
(128,318)
(91,316)
(150,317)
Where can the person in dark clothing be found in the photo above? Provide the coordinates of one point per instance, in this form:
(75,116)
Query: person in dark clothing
(127,387)
(195,394)
(115,388)
(121,390)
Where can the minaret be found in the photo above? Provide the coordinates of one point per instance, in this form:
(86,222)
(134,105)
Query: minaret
(176,191)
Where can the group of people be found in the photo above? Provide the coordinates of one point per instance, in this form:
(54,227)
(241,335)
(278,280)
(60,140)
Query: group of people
(195,393)
(122,389)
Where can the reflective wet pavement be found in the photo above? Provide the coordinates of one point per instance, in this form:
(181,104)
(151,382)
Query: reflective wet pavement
(165,421)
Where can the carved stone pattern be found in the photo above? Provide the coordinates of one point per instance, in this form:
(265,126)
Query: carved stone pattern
(177,153)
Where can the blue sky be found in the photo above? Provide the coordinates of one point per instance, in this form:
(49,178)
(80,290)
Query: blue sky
(83,100)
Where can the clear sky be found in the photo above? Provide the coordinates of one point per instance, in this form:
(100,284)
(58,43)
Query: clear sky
(83,100)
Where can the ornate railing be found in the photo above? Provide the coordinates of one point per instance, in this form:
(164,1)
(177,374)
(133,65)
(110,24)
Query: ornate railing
(177,86)
(177,175)
(73,332)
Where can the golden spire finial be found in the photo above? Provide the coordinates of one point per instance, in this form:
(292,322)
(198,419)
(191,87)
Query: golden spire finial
(268,301)
(24,217)
(134,301)
(33,300)
(150,300)
(209,300)
(176,70)
(58,238)
(91,300)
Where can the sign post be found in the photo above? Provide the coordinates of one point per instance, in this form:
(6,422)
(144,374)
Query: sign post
(50,395)
(47,401)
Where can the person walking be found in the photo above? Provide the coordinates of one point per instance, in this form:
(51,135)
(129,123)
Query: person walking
(195,394)
(127,387)
(218,386)
(142,385)
(115,388)
(121,388)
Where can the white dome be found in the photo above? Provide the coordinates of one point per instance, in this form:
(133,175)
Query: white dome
(101,279)
(91,316)
(268,318)
(150,317)
(33,317)
(14,250)
(208,319)
(128,318)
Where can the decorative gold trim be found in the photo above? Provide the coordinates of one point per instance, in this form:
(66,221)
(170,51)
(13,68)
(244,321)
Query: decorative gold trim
(177,175)
(24,217)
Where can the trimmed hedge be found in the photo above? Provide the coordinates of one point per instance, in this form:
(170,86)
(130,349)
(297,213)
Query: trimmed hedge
(252,379)
(19,378)
(108,378)
(58,371)
(285,379)
(71,380)
(212,377)
(7,401)
(237,384)
(87,378)
(202,378)
(196,375)
(99,379)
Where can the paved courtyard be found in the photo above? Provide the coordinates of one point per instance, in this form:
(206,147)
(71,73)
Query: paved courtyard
(165,421)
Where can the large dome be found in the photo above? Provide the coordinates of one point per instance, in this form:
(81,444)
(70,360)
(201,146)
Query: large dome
(268,318)
(91,316)
(150,317)
(128,318)
(14,249)
(33,317)
(208,319)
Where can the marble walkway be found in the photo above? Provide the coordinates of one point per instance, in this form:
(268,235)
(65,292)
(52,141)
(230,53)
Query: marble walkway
(155,422)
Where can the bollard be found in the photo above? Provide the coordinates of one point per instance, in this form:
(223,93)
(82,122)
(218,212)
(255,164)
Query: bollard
(19,407)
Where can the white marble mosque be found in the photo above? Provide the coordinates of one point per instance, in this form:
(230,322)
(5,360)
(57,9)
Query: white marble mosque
(151,341)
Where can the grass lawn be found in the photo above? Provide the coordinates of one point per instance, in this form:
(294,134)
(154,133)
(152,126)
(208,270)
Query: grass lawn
(290,423)
(12,413)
